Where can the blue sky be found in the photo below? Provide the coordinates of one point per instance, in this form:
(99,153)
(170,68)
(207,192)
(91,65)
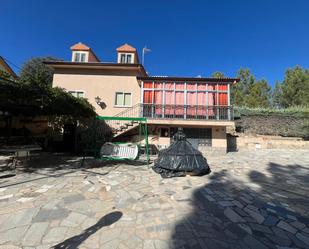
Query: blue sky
(187,38)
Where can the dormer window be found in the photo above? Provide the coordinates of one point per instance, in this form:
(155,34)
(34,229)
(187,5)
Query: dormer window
(126,58)
(126,54)
(80,57)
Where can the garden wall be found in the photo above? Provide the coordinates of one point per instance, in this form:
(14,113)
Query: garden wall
(276,125)
(256,142)
(255,129)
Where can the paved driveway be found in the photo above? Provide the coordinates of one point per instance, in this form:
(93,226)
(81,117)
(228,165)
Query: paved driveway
(253,199)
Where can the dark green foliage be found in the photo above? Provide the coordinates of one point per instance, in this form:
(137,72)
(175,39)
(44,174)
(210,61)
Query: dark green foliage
(295,88)
(34,99)
(218,75)
(277,95)
(249,91)
(286,112)
(293,91)
(35,71)
(33,94)
(258,94)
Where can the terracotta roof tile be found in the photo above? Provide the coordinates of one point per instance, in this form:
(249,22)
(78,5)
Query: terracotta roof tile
(126,48)
(80,46)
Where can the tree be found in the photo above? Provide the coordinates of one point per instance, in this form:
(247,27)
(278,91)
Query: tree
(36,72)
(277,95)
(295,87)
(249,91)
(32,100)
(240,90)
(218,75)
(258,94)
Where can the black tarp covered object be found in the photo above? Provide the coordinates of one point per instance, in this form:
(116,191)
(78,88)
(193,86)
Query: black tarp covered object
(180,159)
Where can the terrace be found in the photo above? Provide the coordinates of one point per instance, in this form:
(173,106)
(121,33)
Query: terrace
(248,201)
(186,98)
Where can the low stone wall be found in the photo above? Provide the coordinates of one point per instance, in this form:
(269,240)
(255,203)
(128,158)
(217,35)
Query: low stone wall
(256,142)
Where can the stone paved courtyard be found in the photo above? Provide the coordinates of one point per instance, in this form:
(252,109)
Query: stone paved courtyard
(256,199)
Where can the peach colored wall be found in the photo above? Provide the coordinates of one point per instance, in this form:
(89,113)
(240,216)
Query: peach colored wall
(104,86)
(219,137)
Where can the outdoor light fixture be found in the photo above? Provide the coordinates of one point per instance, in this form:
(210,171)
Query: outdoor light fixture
(97,100)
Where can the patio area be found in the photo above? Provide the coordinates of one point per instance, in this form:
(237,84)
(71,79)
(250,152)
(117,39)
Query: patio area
(252,199)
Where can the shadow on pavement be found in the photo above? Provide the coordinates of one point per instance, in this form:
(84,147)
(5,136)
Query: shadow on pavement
(74,242)
(270,211)
(47,165)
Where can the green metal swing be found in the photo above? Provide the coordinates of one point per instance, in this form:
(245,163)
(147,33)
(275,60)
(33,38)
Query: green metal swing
(119,150)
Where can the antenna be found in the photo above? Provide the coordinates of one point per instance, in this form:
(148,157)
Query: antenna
(145,50)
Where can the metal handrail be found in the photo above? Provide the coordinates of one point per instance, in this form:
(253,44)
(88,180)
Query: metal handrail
(191,112)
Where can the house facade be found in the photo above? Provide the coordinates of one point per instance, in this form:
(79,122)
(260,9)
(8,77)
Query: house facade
(5,69)
(201,106)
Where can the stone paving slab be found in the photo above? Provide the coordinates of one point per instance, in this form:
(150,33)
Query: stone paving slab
(252,199)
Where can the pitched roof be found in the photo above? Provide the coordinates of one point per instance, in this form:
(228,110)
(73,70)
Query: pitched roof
(7,68)
(80,46)
(126,48)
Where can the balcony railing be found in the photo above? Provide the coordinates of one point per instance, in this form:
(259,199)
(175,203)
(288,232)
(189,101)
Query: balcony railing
(179,112)
(187,112)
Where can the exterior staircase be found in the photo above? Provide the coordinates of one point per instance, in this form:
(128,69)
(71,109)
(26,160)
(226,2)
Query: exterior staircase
(123,124)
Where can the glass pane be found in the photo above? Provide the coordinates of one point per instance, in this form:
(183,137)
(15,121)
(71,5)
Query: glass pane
(179,101)
(201,86)
(158,97)
(222,87)
(158,85)
(191,86)
(147,84)
(129,58)
(82,57)
(169,85)
(191,98)
(211,86)
(80,94)
(119,99)
(77,57)
(147,97)
(123,58)
(169,98)
(127,99)
(223,99)
(180,86)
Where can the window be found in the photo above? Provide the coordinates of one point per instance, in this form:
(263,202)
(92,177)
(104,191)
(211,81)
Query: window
(78,94)
(80,57)
(129,58)
(123,58)
(126,58)
(123,99)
